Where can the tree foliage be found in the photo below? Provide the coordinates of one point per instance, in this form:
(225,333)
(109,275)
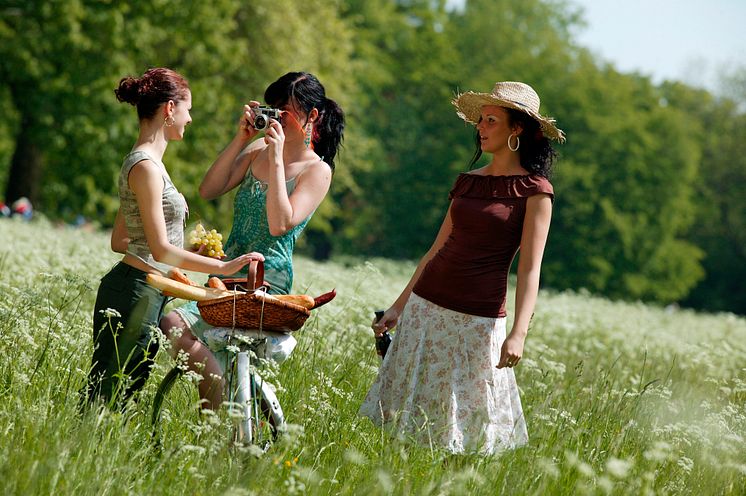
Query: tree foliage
(647,188)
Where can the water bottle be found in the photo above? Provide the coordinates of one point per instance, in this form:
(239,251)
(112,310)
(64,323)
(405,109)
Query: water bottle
(384,340)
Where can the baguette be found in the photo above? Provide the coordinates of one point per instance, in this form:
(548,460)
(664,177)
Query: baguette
(304,301)
(177,275)
(185,291)
(217,283)
(324,298)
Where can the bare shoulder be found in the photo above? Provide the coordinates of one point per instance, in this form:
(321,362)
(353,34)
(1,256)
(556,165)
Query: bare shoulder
(539,204)
(253,148)
(540,197)
(477,172)
(144,169)
(315,169)
(145,174)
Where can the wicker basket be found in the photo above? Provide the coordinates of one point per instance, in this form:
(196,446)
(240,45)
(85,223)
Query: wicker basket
(253,311)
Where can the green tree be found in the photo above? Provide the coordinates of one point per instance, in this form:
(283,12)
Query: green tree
(719,227)
(61,60)
(624,189)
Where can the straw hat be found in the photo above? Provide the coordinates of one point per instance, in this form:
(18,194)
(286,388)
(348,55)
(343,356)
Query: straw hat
(511,94)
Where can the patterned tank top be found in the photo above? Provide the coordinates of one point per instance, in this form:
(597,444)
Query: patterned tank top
(174,211)
(250,232)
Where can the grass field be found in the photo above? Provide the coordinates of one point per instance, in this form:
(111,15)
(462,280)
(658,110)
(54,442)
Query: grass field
(620,398)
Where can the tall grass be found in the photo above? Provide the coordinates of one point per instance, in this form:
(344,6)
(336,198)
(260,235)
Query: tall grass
(620,398)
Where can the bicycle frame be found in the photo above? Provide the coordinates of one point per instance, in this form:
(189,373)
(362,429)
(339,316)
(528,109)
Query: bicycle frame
(253,395)
(245,389)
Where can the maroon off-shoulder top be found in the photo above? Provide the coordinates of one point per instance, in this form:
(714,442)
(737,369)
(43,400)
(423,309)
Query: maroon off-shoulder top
(469,274)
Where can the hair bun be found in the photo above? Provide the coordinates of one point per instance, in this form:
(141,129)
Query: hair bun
(128,90)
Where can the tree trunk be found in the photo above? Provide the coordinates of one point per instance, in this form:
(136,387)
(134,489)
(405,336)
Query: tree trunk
(24,178)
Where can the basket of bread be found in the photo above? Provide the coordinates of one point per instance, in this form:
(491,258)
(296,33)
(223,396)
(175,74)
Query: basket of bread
(246,306)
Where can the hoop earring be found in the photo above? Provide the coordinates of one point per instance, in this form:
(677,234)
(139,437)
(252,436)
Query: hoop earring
(169,121)
(309,133)
(517,143)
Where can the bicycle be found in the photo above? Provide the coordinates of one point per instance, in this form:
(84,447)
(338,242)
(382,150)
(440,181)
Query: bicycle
(241,352)
(249,398)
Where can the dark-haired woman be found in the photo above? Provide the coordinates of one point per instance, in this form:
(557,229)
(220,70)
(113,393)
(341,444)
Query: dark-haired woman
(149,231)
(281,180)
(447,378)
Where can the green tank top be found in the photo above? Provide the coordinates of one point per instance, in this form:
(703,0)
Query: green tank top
(250,232)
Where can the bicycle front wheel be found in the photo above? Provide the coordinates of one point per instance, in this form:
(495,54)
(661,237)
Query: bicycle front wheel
(253,403)
(171,405)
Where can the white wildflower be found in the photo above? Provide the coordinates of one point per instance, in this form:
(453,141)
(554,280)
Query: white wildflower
(618,468)
(251,449)
(659,452)
(549,467)
(110,312)
(686,464)
(176,332)
(354,456)
(192,376)
(190,448)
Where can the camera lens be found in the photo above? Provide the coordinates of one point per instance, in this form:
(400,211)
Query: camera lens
(260,122)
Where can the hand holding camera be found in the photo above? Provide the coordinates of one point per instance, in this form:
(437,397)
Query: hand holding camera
(264,115)
(274,137)
(258,117)
(255,118)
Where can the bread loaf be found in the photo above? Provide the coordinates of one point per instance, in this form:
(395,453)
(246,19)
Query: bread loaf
(302,300)
(177,275)
(185,291)
(217,283)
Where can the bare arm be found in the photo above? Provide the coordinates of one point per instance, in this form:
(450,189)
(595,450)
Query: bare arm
(119,238)
(391,316)
(533,241)
(146,182)
(285,212)
(229,169)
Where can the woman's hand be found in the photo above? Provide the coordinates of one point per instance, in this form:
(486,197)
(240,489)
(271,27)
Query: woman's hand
(233,266)
(387,322)
(246,131)
(274,136)
(511,350)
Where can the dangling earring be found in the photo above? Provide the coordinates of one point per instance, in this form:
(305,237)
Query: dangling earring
(517,143)
(169,121)
(309,133)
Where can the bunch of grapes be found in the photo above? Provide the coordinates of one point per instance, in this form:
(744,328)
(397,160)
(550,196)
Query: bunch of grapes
(210,242)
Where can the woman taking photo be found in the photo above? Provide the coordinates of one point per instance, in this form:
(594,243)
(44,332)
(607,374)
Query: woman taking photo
(149,230)
(448,375)
(281,179)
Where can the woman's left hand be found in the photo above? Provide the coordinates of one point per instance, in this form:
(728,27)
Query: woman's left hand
(275,138)
(511,351)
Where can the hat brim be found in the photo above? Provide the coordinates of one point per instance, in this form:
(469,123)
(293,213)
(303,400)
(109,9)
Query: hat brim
(469,107)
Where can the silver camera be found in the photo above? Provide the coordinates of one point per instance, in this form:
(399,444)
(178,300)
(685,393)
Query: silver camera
(262,115)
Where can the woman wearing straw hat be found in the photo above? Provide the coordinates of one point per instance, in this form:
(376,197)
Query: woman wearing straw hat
(448,378)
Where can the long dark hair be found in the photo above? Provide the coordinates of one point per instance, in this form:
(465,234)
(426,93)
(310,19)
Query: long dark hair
(151,90)
(536,152)
(305,90)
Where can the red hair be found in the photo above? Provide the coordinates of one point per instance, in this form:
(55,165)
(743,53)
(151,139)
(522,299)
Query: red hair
(154,88)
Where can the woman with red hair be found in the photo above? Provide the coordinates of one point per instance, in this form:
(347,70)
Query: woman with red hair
(149,231)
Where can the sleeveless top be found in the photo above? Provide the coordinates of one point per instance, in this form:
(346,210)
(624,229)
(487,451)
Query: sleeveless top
(250,232)
(469,274)
(174,211)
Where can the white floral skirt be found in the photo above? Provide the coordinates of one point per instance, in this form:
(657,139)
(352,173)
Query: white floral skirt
(438,383)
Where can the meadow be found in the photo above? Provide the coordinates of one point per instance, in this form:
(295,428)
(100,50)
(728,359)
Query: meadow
(620,398)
